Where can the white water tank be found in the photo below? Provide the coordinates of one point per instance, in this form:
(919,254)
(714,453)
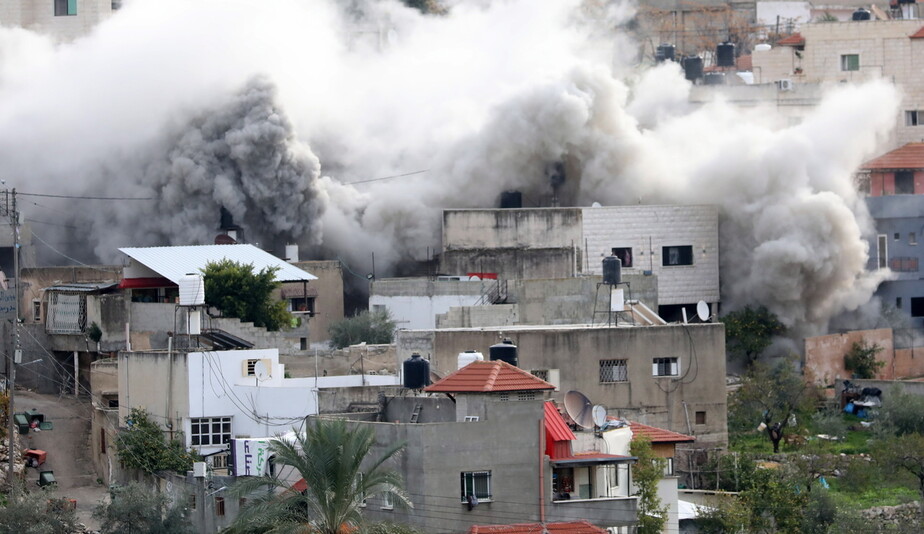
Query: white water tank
(192,290)
(468,357)
(291,253)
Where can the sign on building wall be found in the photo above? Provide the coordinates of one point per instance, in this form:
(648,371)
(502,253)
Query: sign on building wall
(251,457)
(8,303)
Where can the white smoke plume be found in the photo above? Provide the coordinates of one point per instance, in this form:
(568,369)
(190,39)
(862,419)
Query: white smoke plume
(273,107)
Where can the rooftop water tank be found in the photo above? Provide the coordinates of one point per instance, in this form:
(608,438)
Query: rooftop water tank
(468,357)
(861,14)
(416,372)
(505,351)
(692,68)
(612,270)
(725,54)
(192,290)
(665,52)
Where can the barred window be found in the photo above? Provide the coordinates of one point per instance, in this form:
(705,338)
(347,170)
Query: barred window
(614,371)
(541,374)
(526,395)
(476,483)
(210,431)
(665,367)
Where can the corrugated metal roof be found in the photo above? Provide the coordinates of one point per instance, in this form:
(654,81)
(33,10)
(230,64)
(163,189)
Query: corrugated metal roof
(488,377)
(82,288)
(174,262)
(570,527)
(910,156)
(555,427)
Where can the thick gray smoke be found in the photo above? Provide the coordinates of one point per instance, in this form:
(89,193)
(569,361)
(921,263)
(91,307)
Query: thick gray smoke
(241,155)
(462,106)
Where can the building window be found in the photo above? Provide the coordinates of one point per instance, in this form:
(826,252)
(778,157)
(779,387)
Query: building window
(252,367)
(477,484)
(912,239)
(896,236)
(303,343)
(541,374)
(682,255)
(898,302)
(388,501)
(904,183)
(665,366)
(504,396)
(850,62)
(65,7)
(102,441)
(624,254)
(914,117)
(700,418)
(471,418)
(669,467)
(303,305)
(220,506)
(362,492)
(917,306)
(526,395)
(36,311)
(210,431)
(882,251)
(613,371)
(191,501)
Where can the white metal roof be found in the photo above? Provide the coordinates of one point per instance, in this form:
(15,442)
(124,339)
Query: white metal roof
(174,262)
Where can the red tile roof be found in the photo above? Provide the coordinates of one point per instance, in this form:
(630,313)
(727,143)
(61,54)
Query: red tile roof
(918,34)
(488,377)
(659,435)
(795,39)
(571,527)
(910,156)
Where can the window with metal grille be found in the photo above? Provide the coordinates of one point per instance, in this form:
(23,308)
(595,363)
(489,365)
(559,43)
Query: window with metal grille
(504,397)
(191,501)
(252,367)
(477,484)
(67,313)
(541,374)
(614,371)
(665,366)
(526,395)
(210,431)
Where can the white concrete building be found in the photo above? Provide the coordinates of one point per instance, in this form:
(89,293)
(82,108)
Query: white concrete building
(414,303)
(65,20)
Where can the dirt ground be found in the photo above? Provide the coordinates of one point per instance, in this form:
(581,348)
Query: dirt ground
(68,451)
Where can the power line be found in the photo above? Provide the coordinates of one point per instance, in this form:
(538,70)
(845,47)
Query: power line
(388,177)
(78,197)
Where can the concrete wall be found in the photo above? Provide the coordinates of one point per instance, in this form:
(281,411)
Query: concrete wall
(647,230)
(328,306)
(39,16)
(576,351)
(157,382)
(824,355)
(511,228)
(414,303)
(514,263)
(478,316)
(437,453)
(571,300)
(104,382)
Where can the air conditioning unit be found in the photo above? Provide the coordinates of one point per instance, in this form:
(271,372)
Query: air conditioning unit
(784,85)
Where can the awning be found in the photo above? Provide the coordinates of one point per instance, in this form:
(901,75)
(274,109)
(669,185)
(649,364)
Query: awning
(293,292)
(591,459)
(81,288)
(145,283)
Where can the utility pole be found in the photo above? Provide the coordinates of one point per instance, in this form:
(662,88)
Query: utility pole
(10,208)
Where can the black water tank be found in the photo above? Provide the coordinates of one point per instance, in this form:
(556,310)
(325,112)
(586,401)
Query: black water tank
(511,199)
(505,351)
(665,52)
(725,54)
(861,14)
(416,372)
(612,270)
(714,78)
(693,68)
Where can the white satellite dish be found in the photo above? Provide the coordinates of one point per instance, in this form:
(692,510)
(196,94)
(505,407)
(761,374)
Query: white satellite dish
(579,407)
(260,370)
(599,415)
(702,310)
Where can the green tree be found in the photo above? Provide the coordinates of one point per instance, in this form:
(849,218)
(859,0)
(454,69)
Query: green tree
(905,453)
(646,473)
(370,327)
(900,414)
(772,396)
(37,513)
(749,331)
(142,445)
(861,360)
(238,291)
(135,509)
(329,456)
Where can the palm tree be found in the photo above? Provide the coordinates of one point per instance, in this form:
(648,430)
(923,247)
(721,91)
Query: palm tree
(329,457)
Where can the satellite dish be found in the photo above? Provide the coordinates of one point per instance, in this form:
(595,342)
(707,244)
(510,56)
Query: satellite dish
(260,370)
(599,415)
(579,407)
(702,310)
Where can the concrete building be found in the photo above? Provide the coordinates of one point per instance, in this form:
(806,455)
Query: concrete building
(322,300)
(500,455)
(854,51)
(678,245)
(415,303)
(672,376)
(824,356)
(65,20)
